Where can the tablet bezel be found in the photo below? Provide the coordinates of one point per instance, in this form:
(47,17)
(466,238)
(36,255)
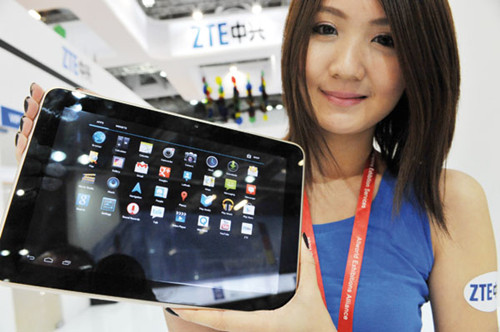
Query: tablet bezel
(44,134)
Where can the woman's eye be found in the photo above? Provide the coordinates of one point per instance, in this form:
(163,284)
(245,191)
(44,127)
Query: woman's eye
(384,40)
(325,29)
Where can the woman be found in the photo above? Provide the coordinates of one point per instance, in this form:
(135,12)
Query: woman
(355,73)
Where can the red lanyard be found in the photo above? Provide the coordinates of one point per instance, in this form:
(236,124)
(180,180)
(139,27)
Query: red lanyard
(356,250)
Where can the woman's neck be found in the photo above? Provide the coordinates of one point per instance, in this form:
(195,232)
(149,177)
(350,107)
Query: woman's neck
(350,154)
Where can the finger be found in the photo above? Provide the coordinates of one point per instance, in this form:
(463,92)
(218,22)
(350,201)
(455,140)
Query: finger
(21,146)
(31,108)
(27,125)
(226,320)
(308,290)
(307,269)
(36,92)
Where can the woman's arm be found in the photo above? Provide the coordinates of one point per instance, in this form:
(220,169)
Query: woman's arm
(468,252)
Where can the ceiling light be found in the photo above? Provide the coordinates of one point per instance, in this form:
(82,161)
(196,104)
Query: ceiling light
(197,15)
(193,102)
(148,3)
(35,14)
(256,8)
(233,69)
(163,74)
(279,107)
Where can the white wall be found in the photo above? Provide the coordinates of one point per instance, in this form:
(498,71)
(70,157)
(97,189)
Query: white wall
(475,149)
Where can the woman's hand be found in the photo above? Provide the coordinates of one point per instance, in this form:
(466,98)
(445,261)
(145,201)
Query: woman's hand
(305,311)
(31,106)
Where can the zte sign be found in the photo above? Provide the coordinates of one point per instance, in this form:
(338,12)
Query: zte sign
(221,34)
(217,34)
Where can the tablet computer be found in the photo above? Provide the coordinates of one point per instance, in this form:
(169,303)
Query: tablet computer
(122,202)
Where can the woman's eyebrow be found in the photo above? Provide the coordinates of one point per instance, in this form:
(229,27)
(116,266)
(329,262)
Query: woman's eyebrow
(383,21)
(380,21)
(333,11)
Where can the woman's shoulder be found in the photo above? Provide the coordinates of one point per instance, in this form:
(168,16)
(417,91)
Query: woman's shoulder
(462,197)
(466,209)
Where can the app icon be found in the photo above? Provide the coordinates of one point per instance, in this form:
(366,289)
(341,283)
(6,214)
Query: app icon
(118,162)
(207,200)
(161,192)
(122,142)
(190,157)
(137,189)
(249,209)
(108,204)
(233,166)
(82,199)
(225,225)
(212,162)
(93,155)
(141,167)
(168,152)
(146,147)
(227,205)
(133,209)
(187,175)
(164,172)
(209,181)
(203,221)
(184,195)
(157,211)
(180,216)
(113,183)
(88,178)
(230,184)
(99,137)
(253,171)
(246,228)
(251,189)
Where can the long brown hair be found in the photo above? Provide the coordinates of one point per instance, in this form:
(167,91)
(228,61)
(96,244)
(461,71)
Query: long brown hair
(415,138)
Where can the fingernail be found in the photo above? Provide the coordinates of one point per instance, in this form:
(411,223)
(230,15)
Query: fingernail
(21,123)
(306,240)
(26,104)
(31,88)
(17,138)
(170,311)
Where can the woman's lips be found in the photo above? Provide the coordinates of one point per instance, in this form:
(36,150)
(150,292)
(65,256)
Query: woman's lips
(344,99)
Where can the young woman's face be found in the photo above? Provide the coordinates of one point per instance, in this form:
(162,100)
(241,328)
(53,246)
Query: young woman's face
(353,74)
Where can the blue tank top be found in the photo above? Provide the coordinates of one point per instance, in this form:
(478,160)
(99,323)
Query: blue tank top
(397,262)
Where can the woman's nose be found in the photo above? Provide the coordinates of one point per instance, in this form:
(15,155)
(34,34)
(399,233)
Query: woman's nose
(347,61)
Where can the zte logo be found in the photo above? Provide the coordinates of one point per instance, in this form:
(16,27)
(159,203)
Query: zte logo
(75,65)
(483,292)
(222,34)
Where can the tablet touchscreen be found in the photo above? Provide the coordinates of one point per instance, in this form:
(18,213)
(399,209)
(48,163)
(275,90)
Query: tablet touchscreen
(119,201)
